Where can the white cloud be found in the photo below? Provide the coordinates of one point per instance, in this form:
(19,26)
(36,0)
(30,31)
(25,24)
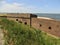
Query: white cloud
(22,8)
(17,7)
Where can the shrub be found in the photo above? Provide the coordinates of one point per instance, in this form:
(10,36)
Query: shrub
(20,34)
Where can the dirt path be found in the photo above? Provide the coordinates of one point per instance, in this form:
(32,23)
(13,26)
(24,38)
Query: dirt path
(1,37)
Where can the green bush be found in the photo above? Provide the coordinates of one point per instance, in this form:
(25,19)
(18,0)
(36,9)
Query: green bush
(20,34)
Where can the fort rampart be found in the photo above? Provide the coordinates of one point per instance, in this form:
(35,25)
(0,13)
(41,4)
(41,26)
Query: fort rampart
(47,25)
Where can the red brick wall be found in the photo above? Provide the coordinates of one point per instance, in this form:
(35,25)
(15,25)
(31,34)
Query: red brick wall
(49,26)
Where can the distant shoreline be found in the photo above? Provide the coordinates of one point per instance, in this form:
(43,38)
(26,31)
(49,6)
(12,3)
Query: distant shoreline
(45,18)
(52,16)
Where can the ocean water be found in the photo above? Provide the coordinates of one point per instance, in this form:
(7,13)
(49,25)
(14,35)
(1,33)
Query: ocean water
(53,16)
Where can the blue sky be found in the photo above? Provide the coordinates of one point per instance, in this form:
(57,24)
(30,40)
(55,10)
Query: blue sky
(30,6)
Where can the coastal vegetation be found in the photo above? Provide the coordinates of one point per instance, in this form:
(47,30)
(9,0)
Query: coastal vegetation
(16,33)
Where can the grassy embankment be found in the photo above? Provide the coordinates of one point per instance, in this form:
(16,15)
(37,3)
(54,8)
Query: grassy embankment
(20,34)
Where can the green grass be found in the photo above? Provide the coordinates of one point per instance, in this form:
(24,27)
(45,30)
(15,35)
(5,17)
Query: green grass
(20,34)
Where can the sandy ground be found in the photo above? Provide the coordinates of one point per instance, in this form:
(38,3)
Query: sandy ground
(45,18)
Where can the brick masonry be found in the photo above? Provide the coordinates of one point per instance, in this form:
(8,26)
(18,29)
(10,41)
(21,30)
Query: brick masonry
(49,26)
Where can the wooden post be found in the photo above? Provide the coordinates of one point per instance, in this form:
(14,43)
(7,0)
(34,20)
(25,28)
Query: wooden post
(30,20)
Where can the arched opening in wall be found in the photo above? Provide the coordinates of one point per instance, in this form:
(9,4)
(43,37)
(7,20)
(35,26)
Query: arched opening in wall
(25,23)
(16,19)
(49,28)
(40,25)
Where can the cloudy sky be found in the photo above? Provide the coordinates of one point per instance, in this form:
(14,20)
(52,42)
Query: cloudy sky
(30,6)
